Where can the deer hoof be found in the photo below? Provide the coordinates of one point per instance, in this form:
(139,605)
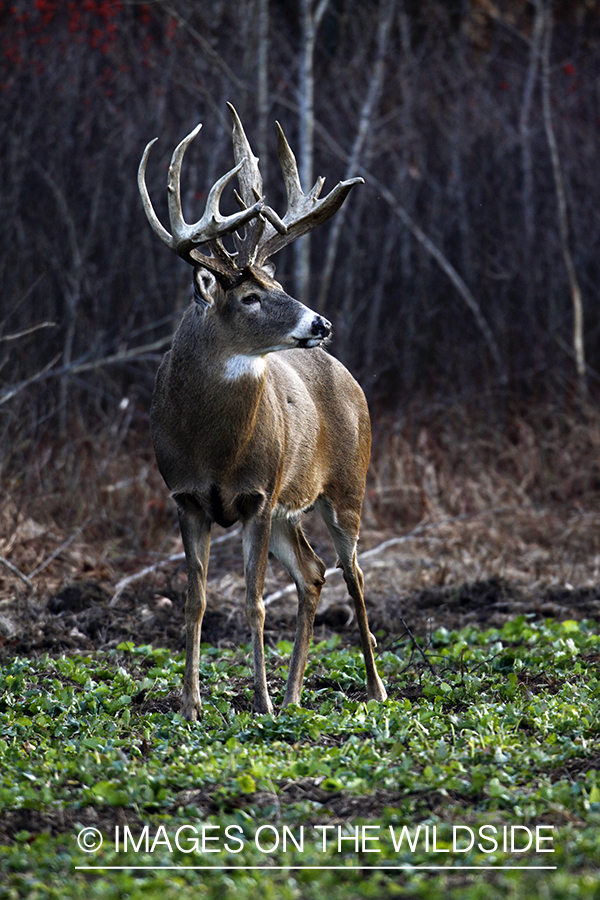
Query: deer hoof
(377,691)
(191,708)
(262,707)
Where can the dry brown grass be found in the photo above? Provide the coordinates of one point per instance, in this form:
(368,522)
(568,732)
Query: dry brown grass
(518,502)
(99,500)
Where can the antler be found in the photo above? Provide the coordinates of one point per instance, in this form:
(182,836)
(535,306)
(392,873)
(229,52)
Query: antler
(210,228)
(251,185)
(267,234)
(305,211)
(264,232)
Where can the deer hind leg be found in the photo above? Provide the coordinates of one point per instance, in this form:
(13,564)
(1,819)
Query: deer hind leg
(290,547)
(255,539)
(343,527)
(195,533)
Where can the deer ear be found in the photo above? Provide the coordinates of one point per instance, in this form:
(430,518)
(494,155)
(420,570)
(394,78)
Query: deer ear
(269,268)
(206,287)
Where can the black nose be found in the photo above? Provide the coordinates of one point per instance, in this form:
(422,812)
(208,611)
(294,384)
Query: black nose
(321,327)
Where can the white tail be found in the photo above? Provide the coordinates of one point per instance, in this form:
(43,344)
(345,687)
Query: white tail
(251,419)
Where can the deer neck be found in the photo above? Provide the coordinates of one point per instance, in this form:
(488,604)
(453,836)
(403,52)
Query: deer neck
(224,388)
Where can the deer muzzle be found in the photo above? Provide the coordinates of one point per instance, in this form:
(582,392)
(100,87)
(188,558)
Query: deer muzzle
(319,330)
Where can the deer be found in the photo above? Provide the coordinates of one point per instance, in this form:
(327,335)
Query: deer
(252,420)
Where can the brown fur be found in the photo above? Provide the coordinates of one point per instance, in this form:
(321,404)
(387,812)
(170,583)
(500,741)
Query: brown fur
(247,428)
(289,431)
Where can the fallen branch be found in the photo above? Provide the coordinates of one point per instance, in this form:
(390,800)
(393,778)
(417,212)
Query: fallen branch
(175,557)
(366,556)
(12,568)
(391,542)
(58,550)
(74,368)
(416,644)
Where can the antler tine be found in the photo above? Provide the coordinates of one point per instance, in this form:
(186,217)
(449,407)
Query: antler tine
(251,187)
(249,178)
(155,222)
(212,225)
(174,188)
(305,211)
(289,169)
(216,225)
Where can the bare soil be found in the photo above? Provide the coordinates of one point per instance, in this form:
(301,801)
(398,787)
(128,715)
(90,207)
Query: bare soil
(482,570)
(464,523)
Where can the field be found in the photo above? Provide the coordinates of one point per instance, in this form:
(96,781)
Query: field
(480,547)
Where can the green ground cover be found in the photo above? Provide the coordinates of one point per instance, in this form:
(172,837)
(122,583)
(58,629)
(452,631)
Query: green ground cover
(486,755)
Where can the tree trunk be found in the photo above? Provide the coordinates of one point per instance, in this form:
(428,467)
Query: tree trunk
(263,85)
(563,218)
(309,24)
(386,12)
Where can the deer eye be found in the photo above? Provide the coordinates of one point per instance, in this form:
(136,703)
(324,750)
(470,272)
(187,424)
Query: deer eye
(250,299)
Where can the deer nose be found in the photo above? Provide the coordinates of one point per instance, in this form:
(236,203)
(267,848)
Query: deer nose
(320,327)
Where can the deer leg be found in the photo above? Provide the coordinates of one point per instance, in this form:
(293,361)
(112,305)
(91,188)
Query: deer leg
(255,539)
(343,528)
(195,533)
(293,551)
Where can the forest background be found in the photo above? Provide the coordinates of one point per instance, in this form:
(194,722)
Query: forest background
(462,278)
(462,282)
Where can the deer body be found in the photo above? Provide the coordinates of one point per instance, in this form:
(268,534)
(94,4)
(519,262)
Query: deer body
(253,422)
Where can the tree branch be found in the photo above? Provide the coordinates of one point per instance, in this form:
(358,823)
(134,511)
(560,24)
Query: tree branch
(431,248)
(386,12)
(76,367)
(175,557)
(12,568)
(563,219)
(20,334)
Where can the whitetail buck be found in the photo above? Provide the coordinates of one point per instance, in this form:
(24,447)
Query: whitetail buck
(251,421)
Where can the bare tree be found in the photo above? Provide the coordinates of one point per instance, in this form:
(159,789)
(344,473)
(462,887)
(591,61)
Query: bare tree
(263,84)
(386,14)
(311,16)
(526,147)
(563,216)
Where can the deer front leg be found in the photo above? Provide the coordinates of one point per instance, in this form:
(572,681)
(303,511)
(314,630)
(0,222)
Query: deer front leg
(255,539)
(195,533)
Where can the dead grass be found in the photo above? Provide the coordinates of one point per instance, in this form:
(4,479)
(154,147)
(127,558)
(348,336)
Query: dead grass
(518,500)
(515,502)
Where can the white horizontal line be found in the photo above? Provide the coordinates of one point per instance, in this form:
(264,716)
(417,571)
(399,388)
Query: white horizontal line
(343,868)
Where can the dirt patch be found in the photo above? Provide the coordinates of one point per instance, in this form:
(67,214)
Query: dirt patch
(80,618)
(475,568)
(63,820)
(491,602)
(480,548)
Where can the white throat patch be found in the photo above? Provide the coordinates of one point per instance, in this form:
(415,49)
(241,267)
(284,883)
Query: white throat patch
(238,366)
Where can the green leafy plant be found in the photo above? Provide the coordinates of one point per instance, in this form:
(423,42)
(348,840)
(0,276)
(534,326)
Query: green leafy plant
(495,730)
